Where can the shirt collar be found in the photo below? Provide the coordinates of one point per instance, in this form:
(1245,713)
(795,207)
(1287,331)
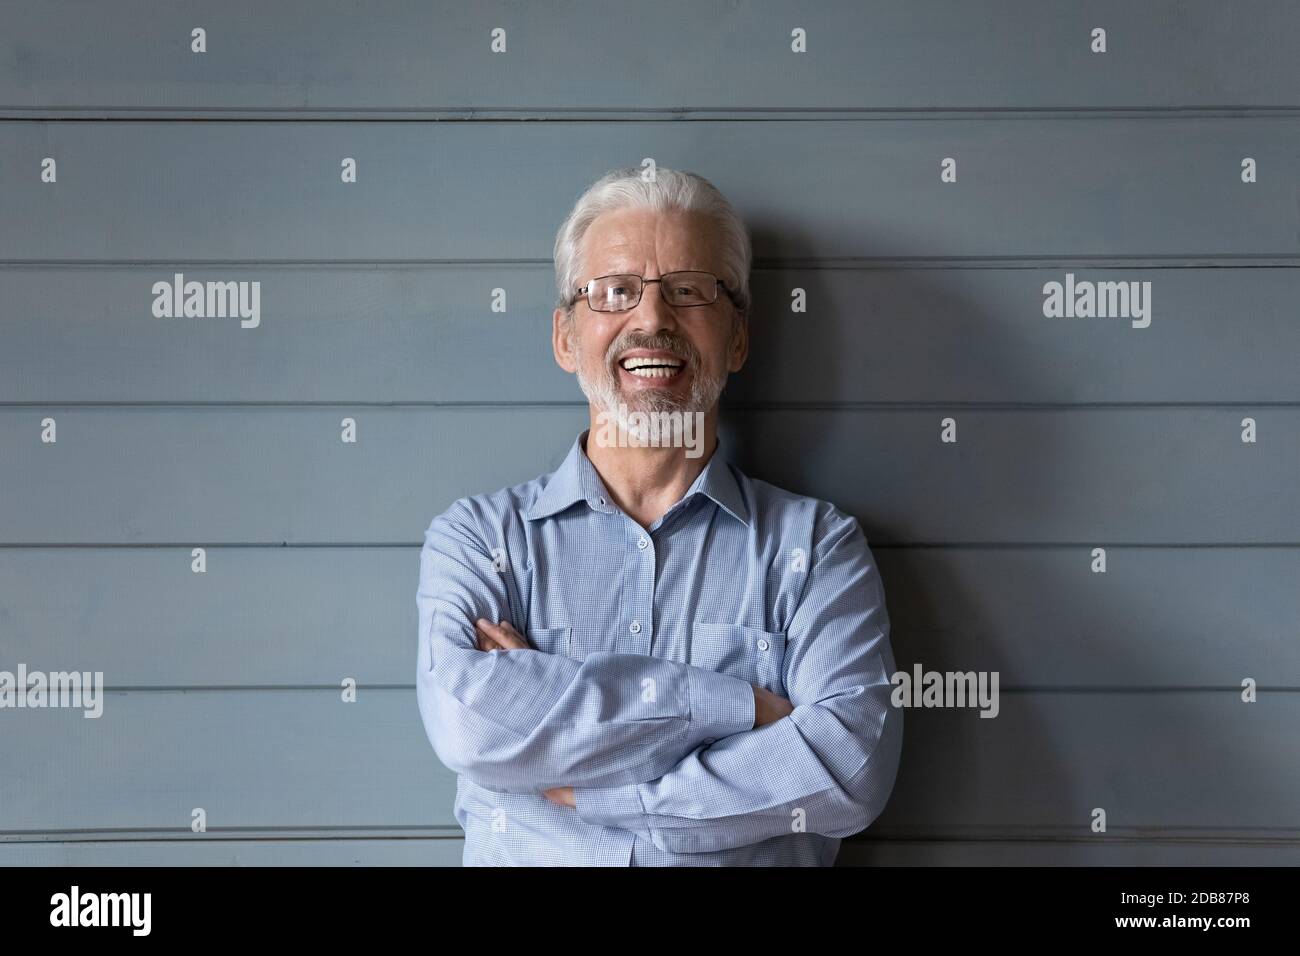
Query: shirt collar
(577,480)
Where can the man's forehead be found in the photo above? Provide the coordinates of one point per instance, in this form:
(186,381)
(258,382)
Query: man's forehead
(626,238)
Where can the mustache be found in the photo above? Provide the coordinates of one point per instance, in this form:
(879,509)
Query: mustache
(662,341)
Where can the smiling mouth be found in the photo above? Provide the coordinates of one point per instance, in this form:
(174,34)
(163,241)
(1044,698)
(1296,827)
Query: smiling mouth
(660,368)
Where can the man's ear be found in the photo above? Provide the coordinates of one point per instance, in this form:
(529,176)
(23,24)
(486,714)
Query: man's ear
(561,344)
(739,345)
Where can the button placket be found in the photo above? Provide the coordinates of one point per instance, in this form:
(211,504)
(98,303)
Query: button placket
(639,577)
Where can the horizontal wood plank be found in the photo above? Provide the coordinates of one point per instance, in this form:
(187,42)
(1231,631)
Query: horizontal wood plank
(265,617)
(401,57)
(304,758)
(1096,186)
(214,475)
(428,333)
(324,851)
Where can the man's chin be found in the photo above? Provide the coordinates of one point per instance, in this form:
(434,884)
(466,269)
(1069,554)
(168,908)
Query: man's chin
(609,399)
(652,403)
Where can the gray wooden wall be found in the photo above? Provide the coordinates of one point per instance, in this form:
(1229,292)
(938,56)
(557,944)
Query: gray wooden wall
(1121,690)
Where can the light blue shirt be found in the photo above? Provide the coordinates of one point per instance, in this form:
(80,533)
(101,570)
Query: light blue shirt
(638,692)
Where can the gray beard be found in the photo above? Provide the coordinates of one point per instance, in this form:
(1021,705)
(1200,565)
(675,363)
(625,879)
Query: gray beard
(607,396)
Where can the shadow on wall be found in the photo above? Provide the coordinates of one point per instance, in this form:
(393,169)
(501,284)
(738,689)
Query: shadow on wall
(789,419)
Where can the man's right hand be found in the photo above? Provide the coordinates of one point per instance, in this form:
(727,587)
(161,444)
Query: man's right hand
(769,707)
(498,637)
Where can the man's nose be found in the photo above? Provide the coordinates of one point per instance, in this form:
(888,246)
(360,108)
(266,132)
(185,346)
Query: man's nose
(652,313)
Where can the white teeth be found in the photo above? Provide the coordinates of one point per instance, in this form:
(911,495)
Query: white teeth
(654,372)
(668,365)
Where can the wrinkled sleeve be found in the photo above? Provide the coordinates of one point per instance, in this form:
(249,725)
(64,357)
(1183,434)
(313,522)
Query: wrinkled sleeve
(828,767)
(525,720)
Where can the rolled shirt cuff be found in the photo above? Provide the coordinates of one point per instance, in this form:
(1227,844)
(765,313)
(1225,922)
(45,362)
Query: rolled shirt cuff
(721,705)
(610,806)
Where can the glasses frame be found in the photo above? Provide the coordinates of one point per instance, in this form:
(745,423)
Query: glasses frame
(584,294)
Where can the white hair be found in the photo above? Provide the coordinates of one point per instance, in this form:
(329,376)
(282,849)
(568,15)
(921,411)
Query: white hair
(670,189)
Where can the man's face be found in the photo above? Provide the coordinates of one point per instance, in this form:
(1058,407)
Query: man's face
(693,348)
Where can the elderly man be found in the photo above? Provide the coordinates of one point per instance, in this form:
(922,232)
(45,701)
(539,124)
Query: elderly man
(647,657)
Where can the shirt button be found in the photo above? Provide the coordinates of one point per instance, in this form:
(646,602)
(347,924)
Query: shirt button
(602,501)
(635,627)
(762,644)
(643,543)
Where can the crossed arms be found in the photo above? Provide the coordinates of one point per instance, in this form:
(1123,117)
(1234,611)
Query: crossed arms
(667,749)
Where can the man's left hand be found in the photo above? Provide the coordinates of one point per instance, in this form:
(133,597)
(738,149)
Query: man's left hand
(561,795)
(498,637)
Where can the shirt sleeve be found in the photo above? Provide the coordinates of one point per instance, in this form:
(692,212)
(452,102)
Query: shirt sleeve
(524,720)
(828,767)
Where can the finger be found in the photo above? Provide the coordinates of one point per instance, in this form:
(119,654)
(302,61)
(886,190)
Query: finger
(505,635)
(483,639)
(486,643)
(504,638)
(507,629)
(522,641)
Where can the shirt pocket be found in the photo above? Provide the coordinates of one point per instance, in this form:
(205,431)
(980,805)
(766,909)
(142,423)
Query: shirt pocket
(738,650)
(552,640)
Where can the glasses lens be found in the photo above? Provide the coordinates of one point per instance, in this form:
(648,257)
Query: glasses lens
(690,288)
(614,293)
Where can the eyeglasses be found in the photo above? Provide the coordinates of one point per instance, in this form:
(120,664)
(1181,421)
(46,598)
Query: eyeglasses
(618,293)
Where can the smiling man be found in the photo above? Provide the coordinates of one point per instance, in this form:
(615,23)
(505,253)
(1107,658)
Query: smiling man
(647,657)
